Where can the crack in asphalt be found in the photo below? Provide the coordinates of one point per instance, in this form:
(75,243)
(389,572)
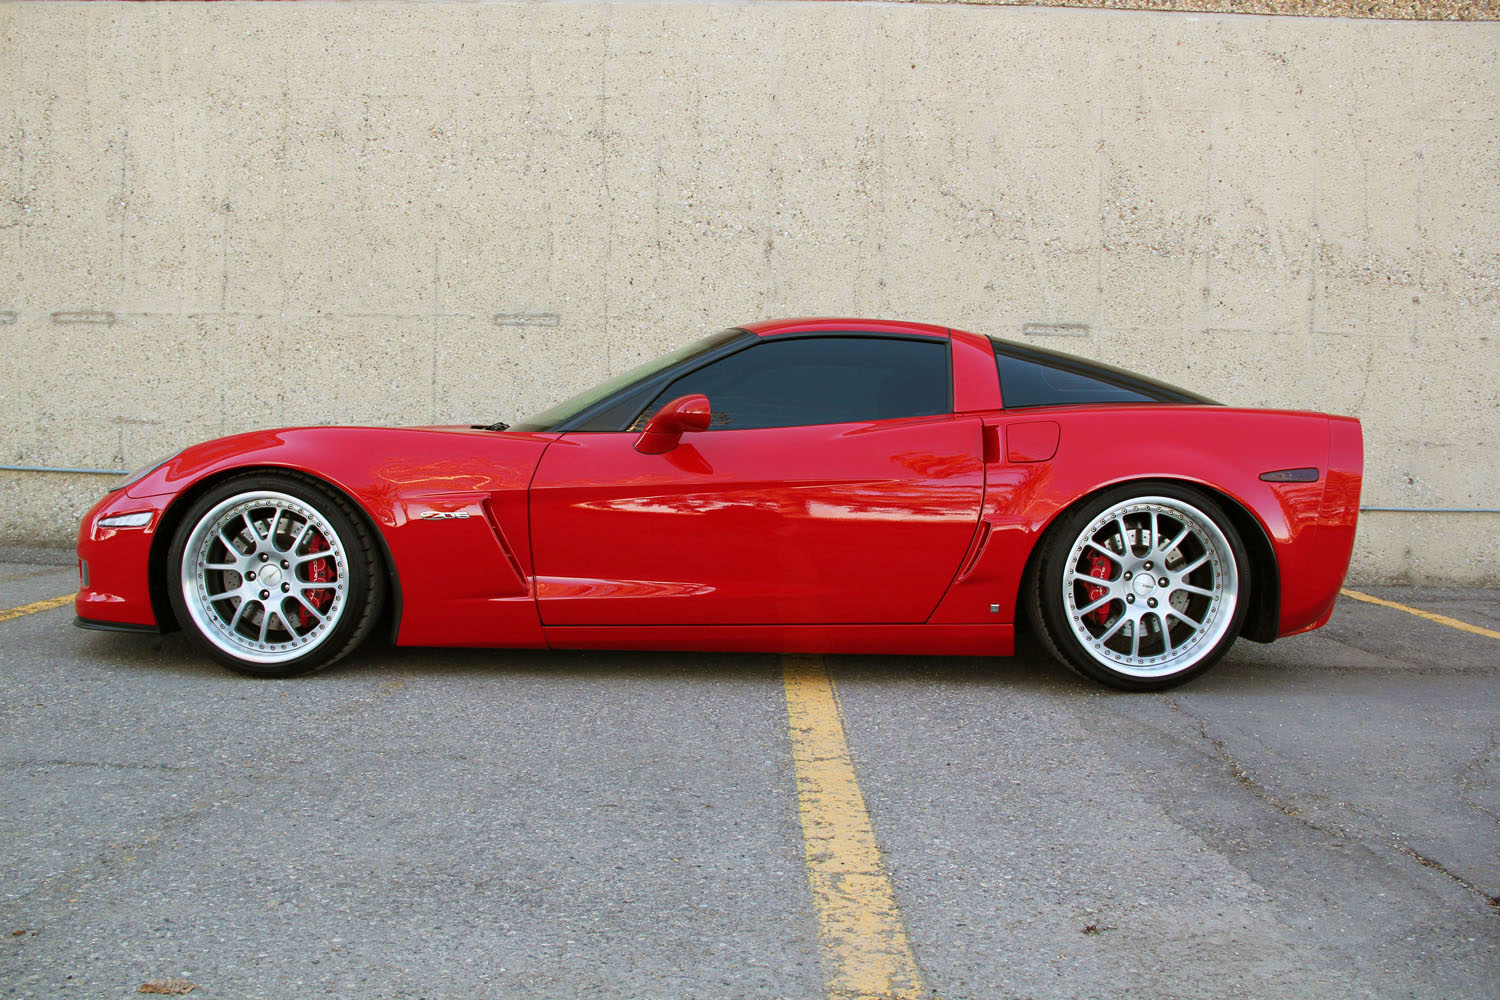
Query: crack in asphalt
(1475,766)
(1255,788)
(1426,862)
(1247,781)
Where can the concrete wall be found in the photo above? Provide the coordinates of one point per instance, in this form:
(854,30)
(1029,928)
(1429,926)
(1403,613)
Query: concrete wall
(231,216)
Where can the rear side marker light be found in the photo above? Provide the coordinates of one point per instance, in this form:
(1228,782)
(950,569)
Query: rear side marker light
(83,573)
(137,520)
(1291,476)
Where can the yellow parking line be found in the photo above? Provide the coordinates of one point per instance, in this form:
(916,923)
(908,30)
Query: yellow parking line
(865,951)
(1429,615)
(35,606)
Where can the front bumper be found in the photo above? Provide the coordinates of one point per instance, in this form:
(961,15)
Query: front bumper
(98,626)
(114,565)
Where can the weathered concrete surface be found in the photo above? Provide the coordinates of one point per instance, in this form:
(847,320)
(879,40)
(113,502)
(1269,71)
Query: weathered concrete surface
(230,216)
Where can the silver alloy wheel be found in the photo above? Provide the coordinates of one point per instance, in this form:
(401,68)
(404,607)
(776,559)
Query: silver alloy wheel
(1150,586)
(265,577)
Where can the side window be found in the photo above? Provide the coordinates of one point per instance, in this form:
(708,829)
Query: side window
(1027,383)
(819,380)
(1031,376)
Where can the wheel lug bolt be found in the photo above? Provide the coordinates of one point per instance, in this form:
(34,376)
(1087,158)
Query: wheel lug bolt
(1165,582)
(1148,565)
(1151,603)
(264,594)
(250,574)
(285,564)
(1129,598)
(264,557)
(1128,574)
(286,588)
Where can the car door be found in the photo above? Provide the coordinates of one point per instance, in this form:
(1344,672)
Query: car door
(832,486)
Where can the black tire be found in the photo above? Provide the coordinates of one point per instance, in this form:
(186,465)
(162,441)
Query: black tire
(1154,616)
(248,584)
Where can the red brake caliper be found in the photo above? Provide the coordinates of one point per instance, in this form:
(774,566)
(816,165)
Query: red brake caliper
(317,572)
(1099,567)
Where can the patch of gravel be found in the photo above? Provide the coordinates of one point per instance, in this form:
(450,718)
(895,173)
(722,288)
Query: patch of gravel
(1391,10)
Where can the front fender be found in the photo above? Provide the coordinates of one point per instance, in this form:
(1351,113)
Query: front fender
(449,504)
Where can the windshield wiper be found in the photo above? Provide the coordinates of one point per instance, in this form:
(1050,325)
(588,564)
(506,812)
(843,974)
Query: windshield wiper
(498,425)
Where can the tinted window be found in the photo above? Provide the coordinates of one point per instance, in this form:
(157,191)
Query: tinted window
(825,380)
(1034,376)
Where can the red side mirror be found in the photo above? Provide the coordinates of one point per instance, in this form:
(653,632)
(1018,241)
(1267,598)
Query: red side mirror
(683,414)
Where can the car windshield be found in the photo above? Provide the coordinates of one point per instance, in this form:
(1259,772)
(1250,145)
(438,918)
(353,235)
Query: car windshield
(571,407)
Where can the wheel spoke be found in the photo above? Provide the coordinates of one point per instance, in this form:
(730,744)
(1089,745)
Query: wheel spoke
(306,527)
(1166,634)
(1194,564)
(311,609)
(1185,619)
(1101,602)
(1124,534)
(1172,547)
(271,529)
(1191,589)
(1091,580)
(1113,629)
(215,598)
(1113,557)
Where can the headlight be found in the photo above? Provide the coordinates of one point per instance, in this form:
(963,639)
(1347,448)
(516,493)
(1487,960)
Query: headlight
(139,474)
(139,519)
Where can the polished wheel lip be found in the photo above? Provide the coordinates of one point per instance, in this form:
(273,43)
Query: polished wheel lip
(1138,579)
(194,581)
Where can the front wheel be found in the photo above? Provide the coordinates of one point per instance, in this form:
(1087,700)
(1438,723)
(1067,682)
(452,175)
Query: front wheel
(1143,587)
(274,575)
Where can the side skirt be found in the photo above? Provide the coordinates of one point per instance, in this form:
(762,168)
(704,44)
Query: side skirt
(948,640)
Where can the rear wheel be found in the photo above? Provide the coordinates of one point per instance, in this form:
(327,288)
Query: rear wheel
(274,575)
(1143,587)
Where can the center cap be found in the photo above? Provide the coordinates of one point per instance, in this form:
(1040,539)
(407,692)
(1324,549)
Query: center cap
(1143,585)
(270,576)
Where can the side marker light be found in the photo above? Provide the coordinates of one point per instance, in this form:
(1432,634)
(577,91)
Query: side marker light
(1291,476)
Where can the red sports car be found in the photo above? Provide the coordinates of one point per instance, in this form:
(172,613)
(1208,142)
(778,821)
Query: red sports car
(813,485)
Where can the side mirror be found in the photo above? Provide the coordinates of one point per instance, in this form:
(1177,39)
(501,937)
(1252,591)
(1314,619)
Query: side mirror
(685,413)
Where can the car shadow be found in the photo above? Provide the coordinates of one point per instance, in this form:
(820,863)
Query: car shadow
(1029,668)
(1249,668)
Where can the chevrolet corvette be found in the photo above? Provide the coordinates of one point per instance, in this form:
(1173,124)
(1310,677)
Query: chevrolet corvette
(811,485)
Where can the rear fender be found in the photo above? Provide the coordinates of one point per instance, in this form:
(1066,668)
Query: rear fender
(1219,450)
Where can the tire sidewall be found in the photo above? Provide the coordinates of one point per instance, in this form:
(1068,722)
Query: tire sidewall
(1049,583)
(362,587)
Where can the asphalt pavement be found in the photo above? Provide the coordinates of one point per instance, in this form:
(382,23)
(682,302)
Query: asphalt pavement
(1319,817)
